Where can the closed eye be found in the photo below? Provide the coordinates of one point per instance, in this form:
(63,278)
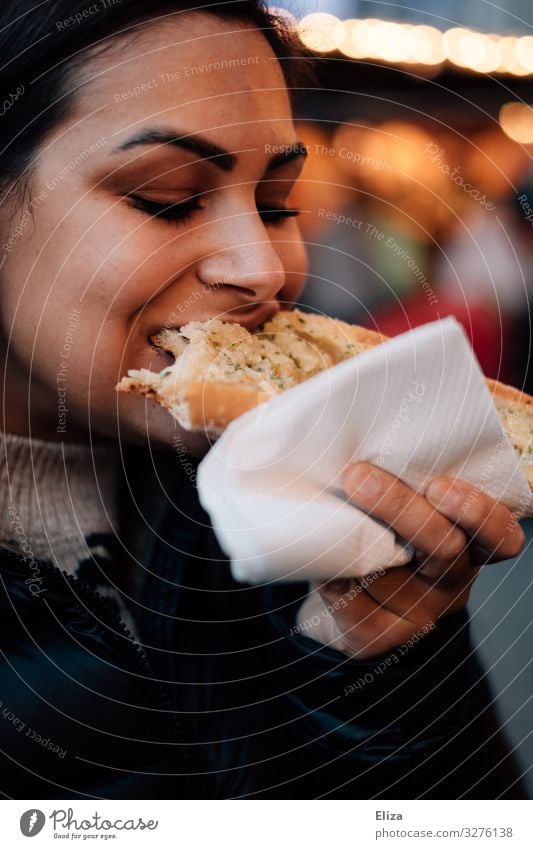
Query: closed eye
(183,210)
(275,214)
(179,211)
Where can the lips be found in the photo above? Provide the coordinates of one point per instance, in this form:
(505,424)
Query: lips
(167,359)
(249,316)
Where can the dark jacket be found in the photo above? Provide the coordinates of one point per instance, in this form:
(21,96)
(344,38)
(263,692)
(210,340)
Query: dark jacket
(225,700)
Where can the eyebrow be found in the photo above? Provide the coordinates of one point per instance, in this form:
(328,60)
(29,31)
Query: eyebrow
(205,149)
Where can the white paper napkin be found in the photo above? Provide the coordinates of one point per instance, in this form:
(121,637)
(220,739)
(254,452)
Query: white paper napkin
(417,406)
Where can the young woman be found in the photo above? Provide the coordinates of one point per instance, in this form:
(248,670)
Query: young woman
(147,159)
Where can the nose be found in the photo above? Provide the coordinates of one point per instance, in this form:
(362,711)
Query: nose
(244,259)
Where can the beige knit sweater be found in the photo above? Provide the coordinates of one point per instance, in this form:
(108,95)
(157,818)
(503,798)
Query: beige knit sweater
(58,503)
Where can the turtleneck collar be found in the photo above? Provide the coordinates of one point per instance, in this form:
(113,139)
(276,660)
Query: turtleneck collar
(56,497)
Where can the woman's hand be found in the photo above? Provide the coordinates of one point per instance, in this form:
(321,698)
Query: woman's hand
(454,529)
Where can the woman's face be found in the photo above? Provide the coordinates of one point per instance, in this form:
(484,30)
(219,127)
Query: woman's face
(194,116)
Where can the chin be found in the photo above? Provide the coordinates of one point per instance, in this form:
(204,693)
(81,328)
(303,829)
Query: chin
(142,422)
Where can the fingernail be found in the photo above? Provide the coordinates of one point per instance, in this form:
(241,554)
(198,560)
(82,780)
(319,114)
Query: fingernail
(444,494)
(363,481)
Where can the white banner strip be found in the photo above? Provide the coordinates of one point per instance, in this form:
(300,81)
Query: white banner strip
(268,824)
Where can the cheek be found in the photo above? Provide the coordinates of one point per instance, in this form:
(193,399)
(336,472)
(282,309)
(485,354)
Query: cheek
(69,293)
(100,260)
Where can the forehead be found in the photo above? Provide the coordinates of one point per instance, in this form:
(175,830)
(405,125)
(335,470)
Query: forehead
(196,71)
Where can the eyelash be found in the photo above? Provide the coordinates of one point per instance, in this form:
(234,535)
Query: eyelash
(183,210)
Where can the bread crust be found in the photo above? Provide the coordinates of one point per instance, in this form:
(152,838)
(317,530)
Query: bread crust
(522,405)
(208,405)
(213,405)
(504,392)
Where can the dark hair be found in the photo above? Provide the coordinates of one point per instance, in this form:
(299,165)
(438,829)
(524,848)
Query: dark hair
(42,44)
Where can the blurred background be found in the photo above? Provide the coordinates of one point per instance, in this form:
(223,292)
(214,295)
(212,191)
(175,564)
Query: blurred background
(417,202)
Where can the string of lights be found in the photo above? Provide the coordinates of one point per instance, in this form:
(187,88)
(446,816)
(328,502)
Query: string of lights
(410,44)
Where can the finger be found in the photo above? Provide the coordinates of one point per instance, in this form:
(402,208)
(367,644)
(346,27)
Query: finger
(413,596)
(446,573)
(365,628)
(403,593)
(420,597)
(489,523)
(453,586)
(407,512)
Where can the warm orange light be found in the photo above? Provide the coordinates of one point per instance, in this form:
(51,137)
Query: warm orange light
(466,48)
(508,58)
(427,46)
(516,120)
(492,56)
(321,32)
(473,50)
(524,52)
(452,41)
(510,63)
(398,43)
(391,42)
(361,37)
(348,46)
